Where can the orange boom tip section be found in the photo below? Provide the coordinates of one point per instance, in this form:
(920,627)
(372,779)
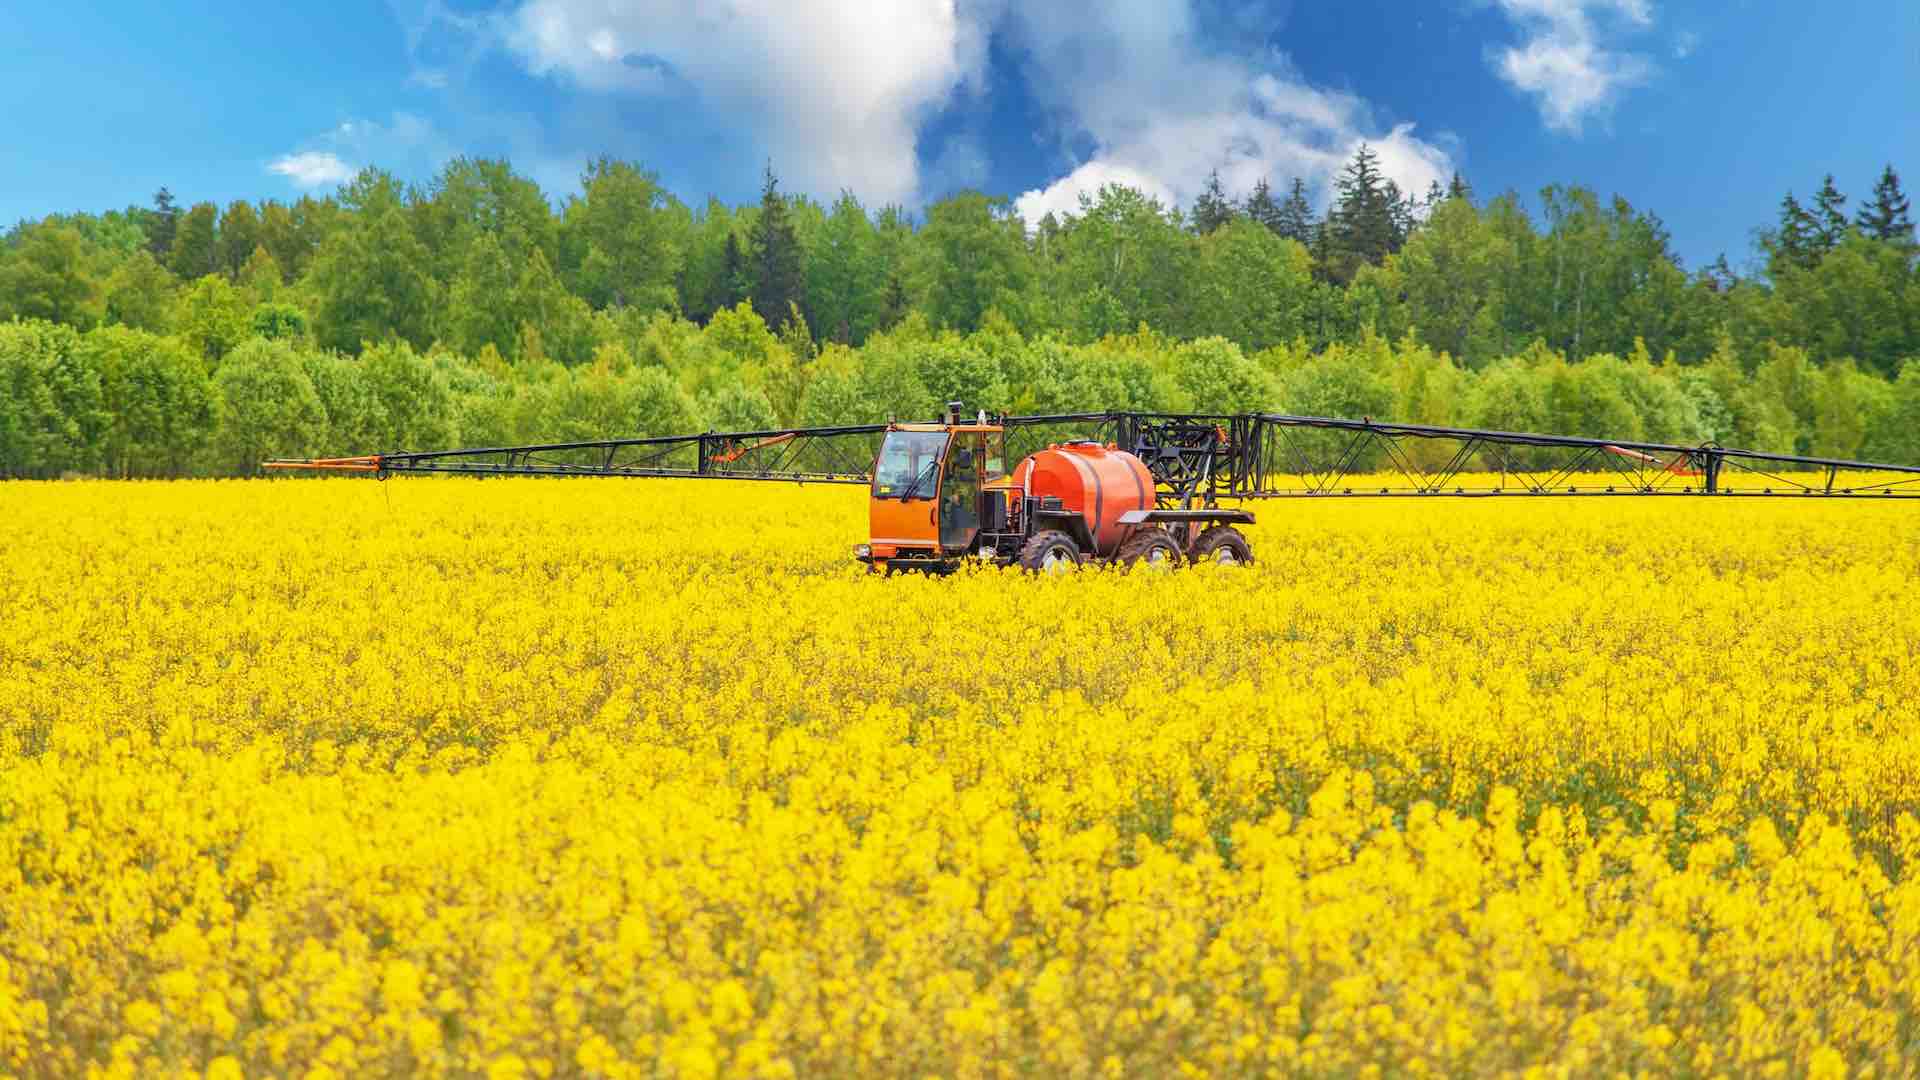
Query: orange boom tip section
(368,463)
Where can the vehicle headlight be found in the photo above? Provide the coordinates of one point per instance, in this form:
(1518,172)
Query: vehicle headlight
(863,551)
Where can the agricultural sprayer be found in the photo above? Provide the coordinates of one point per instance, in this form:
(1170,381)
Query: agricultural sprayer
(1147,487)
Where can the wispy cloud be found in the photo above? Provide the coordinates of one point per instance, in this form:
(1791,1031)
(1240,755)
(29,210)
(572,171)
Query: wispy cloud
(312,168)
(407,143)
(1565,60)
(1684,44)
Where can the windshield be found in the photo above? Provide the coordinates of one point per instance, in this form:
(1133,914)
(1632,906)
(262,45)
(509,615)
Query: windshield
(905,456)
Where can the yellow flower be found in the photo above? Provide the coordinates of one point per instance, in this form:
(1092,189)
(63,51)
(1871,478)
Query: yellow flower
(525,778)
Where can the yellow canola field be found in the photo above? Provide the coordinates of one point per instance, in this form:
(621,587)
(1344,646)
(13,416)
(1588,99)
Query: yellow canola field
(644,778)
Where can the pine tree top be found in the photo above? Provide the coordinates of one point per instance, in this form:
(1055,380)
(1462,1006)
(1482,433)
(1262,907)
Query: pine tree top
(1887,215)
(1211,209)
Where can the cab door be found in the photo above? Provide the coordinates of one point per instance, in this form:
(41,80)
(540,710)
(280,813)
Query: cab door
(960,493)
(904,508)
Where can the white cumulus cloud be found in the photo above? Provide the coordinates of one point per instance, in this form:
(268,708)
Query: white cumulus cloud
(312,168)
(1162,110)
(835,92)
(1564,60)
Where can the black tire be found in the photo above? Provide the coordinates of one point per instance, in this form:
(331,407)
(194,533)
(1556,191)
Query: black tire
(1153,546)
(1221,544)
(1050,552)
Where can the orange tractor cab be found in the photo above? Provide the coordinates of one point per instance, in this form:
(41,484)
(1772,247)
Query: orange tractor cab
(944,492)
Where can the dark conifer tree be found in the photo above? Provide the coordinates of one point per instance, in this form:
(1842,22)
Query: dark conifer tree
(1212,209)
(1459,188)
(1829,215)
(1260,206)
(1400,213)
(779,282)
(894,302)
(1720,275)
(1296,214)
(1796,243)
(735,282)
(1320,246)
(165,217)
(1362,222)
(1886,216)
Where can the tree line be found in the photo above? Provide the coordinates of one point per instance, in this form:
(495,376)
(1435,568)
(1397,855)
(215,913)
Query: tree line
(121,402)
(145,341)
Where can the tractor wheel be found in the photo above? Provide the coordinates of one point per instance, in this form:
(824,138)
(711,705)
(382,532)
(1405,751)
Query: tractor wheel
(1222,544)
(1050,552)
(1152,547)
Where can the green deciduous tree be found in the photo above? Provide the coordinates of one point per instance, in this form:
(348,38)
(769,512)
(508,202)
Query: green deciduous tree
(1217,377)
(260,276)
(1859,301)
(140,294)
(277,321)
(238,236)
(626,237)
(976,255)
(370,283)
(51,416)
(212,318)
(1848,405)
(1125,262)
(415,395)
(1449,274)
(562,321)
(159,405)
(1251,285)
(1895,437)
(479,309)
(268,407)
(47,276)
(196,251)
(356,417)
(844,275)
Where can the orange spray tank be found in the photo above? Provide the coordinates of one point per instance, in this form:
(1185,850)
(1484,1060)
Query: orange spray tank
(1100,482)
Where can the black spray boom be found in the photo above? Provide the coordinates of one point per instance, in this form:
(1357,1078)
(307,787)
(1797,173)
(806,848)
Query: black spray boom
(1206,457)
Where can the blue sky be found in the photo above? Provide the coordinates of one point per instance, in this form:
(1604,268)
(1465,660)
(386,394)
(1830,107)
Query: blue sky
(1704,112)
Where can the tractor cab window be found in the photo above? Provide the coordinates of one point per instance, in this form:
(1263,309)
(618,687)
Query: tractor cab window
(909,465)
(993,465)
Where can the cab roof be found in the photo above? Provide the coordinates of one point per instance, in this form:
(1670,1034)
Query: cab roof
(960,428)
